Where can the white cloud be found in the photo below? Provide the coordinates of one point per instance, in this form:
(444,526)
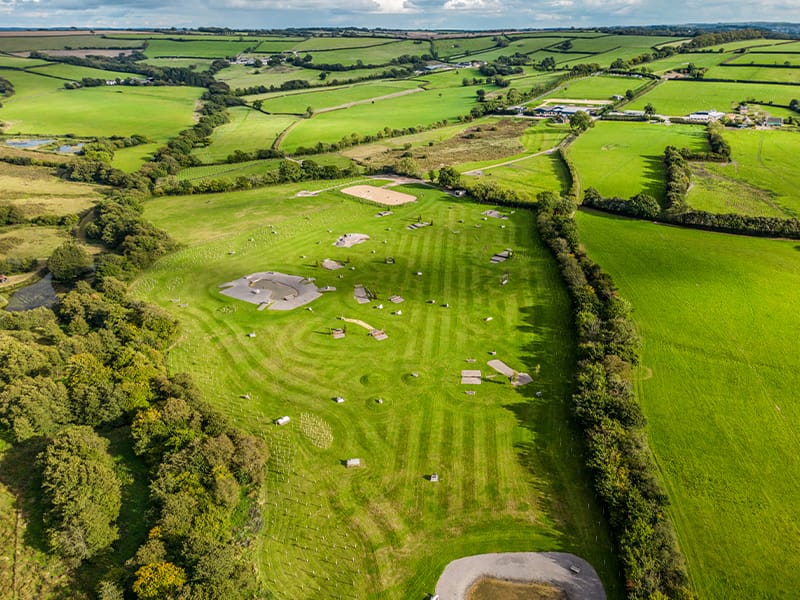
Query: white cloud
(488,6)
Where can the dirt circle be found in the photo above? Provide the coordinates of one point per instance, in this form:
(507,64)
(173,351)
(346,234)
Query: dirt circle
(379,195)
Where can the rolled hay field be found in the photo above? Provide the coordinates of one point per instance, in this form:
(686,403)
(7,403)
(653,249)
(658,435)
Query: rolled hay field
(509,470)
(718,384)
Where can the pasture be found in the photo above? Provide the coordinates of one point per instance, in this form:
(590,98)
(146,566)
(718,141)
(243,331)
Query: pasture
(606,43)
(76,73)
(24,241)
(761,179)
(8,61)
(510,476)
(380,54)
(623,159)
(755,73)
(718,384)
(681,61)
(528,176)
(596,88)
(454,47)
(24,43)
(157,48)
(131,158)
(37,191)
(241,76)
(681,97)
(253,167)
(339,43)
(196,64)
(326,99)
(248,130)
(766,58)
(413,110)
(156,112)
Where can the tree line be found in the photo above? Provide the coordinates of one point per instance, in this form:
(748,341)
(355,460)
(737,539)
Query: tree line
(94,368)
(604,405)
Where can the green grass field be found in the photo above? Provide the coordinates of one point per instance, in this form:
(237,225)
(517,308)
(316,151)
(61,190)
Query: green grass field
(16,62)
(76,73)
(623,159)
(767,58)
(61,42)
(197,49)
(785,47)
(450,47)
(761,179)
(752,73)
(544,173)
(510,477)
(718,384)
(596,88)
(196,64)
(248,130)
(373,55)
(678,97)
(412,110)
(240,76)
(759,44)
(603,44)
(680,61)
(321,99)
(130,159)
(231,171)
(339,43)
(156,112)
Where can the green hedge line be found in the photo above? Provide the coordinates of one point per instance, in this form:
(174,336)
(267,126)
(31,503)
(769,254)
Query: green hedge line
(617,453)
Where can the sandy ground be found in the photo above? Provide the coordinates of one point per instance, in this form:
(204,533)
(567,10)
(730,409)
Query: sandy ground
(366,326)
(556,568)
(379,195)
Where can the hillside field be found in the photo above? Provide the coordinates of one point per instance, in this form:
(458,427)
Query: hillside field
(681,97)
(623,159)
(761,179)
(510,471)
(46,108)
(718,383)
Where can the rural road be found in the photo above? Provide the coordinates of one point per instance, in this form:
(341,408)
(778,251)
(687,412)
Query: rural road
(369,100)
(566,571)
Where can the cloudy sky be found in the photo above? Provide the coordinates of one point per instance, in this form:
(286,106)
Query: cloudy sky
(428,14)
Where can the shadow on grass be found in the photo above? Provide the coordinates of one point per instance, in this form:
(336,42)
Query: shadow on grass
(18,472)
(653,175)
(553,453)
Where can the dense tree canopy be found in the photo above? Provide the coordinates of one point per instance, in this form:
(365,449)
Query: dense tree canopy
(83,493)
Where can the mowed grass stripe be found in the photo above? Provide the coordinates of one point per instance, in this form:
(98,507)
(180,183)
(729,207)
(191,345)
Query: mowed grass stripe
(424,424)
(469,500)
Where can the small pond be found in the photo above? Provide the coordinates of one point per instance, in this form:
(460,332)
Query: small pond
(35,295)
(67,149)
(27,143)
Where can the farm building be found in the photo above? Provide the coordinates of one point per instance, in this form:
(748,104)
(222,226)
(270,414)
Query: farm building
(704,116)
(352,463)
(282,420)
